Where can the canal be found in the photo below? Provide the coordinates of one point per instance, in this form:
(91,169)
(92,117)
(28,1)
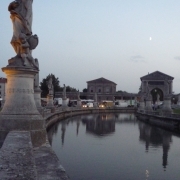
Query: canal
(115,147)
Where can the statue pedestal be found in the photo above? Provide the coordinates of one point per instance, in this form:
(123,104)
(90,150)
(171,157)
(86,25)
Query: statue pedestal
(19,112)
(79,104)
(142,106)
(95,104)
(148,107)
(37,98)
(50,103)
(167,105)
(64,102)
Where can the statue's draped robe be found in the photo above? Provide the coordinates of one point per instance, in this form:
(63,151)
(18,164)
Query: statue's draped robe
(22,22)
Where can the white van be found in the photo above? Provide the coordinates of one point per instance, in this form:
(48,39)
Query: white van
(89,104)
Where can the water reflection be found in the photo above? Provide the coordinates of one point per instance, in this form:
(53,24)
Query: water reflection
(122,138)
(156,137)
(100,124)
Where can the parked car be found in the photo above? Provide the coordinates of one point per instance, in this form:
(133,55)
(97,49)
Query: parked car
(84,105)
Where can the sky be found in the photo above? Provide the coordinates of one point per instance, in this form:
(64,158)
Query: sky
(83,40)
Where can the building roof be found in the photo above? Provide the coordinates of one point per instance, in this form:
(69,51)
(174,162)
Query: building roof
(157,75)
(3,80)
(101,80)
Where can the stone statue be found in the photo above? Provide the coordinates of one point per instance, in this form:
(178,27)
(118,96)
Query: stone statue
(23,41)
(36,78)
(78,95)
(64,92)
(50,86)
(168,87)
(148,94)
(158,97)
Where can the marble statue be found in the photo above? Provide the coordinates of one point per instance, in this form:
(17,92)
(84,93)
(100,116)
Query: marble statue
(50,86)
(148,94)
(23,41)
(64,92)
(78,95)
(158,97)
(36,79)
(168,86)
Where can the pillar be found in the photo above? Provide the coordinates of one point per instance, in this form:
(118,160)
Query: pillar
(167,105)
(19,112)
(148,107)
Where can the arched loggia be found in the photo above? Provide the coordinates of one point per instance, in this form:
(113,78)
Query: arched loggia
(157,95)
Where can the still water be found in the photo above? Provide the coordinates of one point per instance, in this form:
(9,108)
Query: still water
(115,147)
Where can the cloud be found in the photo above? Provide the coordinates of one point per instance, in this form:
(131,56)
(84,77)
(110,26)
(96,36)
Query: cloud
(137,58)
(177,57)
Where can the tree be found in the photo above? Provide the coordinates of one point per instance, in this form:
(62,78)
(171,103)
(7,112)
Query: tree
(44,87)
(70,89)
(120,91)
(85,90)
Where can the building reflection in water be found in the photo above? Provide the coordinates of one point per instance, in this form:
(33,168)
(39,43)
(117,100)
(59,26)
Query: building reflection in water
(100,124)
(155,137)
(125,118)
(103,124)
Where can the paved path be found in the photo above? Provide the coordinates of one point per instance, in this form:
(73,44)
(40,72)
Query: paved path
(18,160)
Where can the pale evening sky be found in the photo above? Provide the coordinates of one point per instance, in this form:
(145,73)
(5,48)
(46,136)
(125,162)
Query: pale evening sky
(120,40)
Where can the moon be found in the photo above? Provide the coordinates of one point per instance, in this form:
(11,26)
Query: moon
(150,38)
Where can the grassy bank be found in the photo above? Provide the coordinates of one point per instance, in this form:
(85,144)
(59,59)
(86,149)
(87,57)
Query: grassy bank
(176,111)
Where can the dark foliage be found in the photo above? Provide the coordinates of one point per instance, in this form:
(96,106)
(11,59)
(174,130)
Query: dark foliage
(44,87)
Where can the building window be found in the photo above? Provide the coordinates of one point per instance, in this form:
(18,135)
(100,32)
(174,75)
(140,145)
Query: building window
(91,90)
(99,90)
(107,89)
(0,86)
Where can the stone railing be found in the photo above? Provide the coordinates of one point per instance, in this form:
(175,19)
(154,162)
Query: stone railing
(160,113)
(51,116)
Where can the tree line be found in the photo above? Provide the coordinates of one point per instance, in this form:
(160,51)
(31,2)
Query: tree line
(56,84)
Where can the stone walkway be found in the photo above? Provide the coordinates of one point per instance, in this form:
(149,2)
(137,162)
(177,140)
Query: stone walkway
(18,160)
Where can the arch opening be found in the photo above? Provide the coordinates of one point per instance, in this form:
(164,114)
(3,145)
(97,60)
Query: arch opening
(157,95)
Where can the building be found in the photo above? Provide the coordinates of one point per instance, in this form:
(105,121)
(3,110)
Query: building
(105,89)
(102,88)
(157,84)
(3,82)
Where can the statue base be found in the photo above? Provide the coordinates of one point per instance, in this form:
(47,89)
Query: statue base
(148,107)
(79,104)
(37,98)
(50,103)
(167,105)
(19,112)
(17,61)
(142,106)
(64,102)
(95,104)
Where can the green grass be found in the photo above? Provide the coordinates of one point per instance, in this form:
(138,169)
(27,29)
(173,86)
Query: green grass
(176,111)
